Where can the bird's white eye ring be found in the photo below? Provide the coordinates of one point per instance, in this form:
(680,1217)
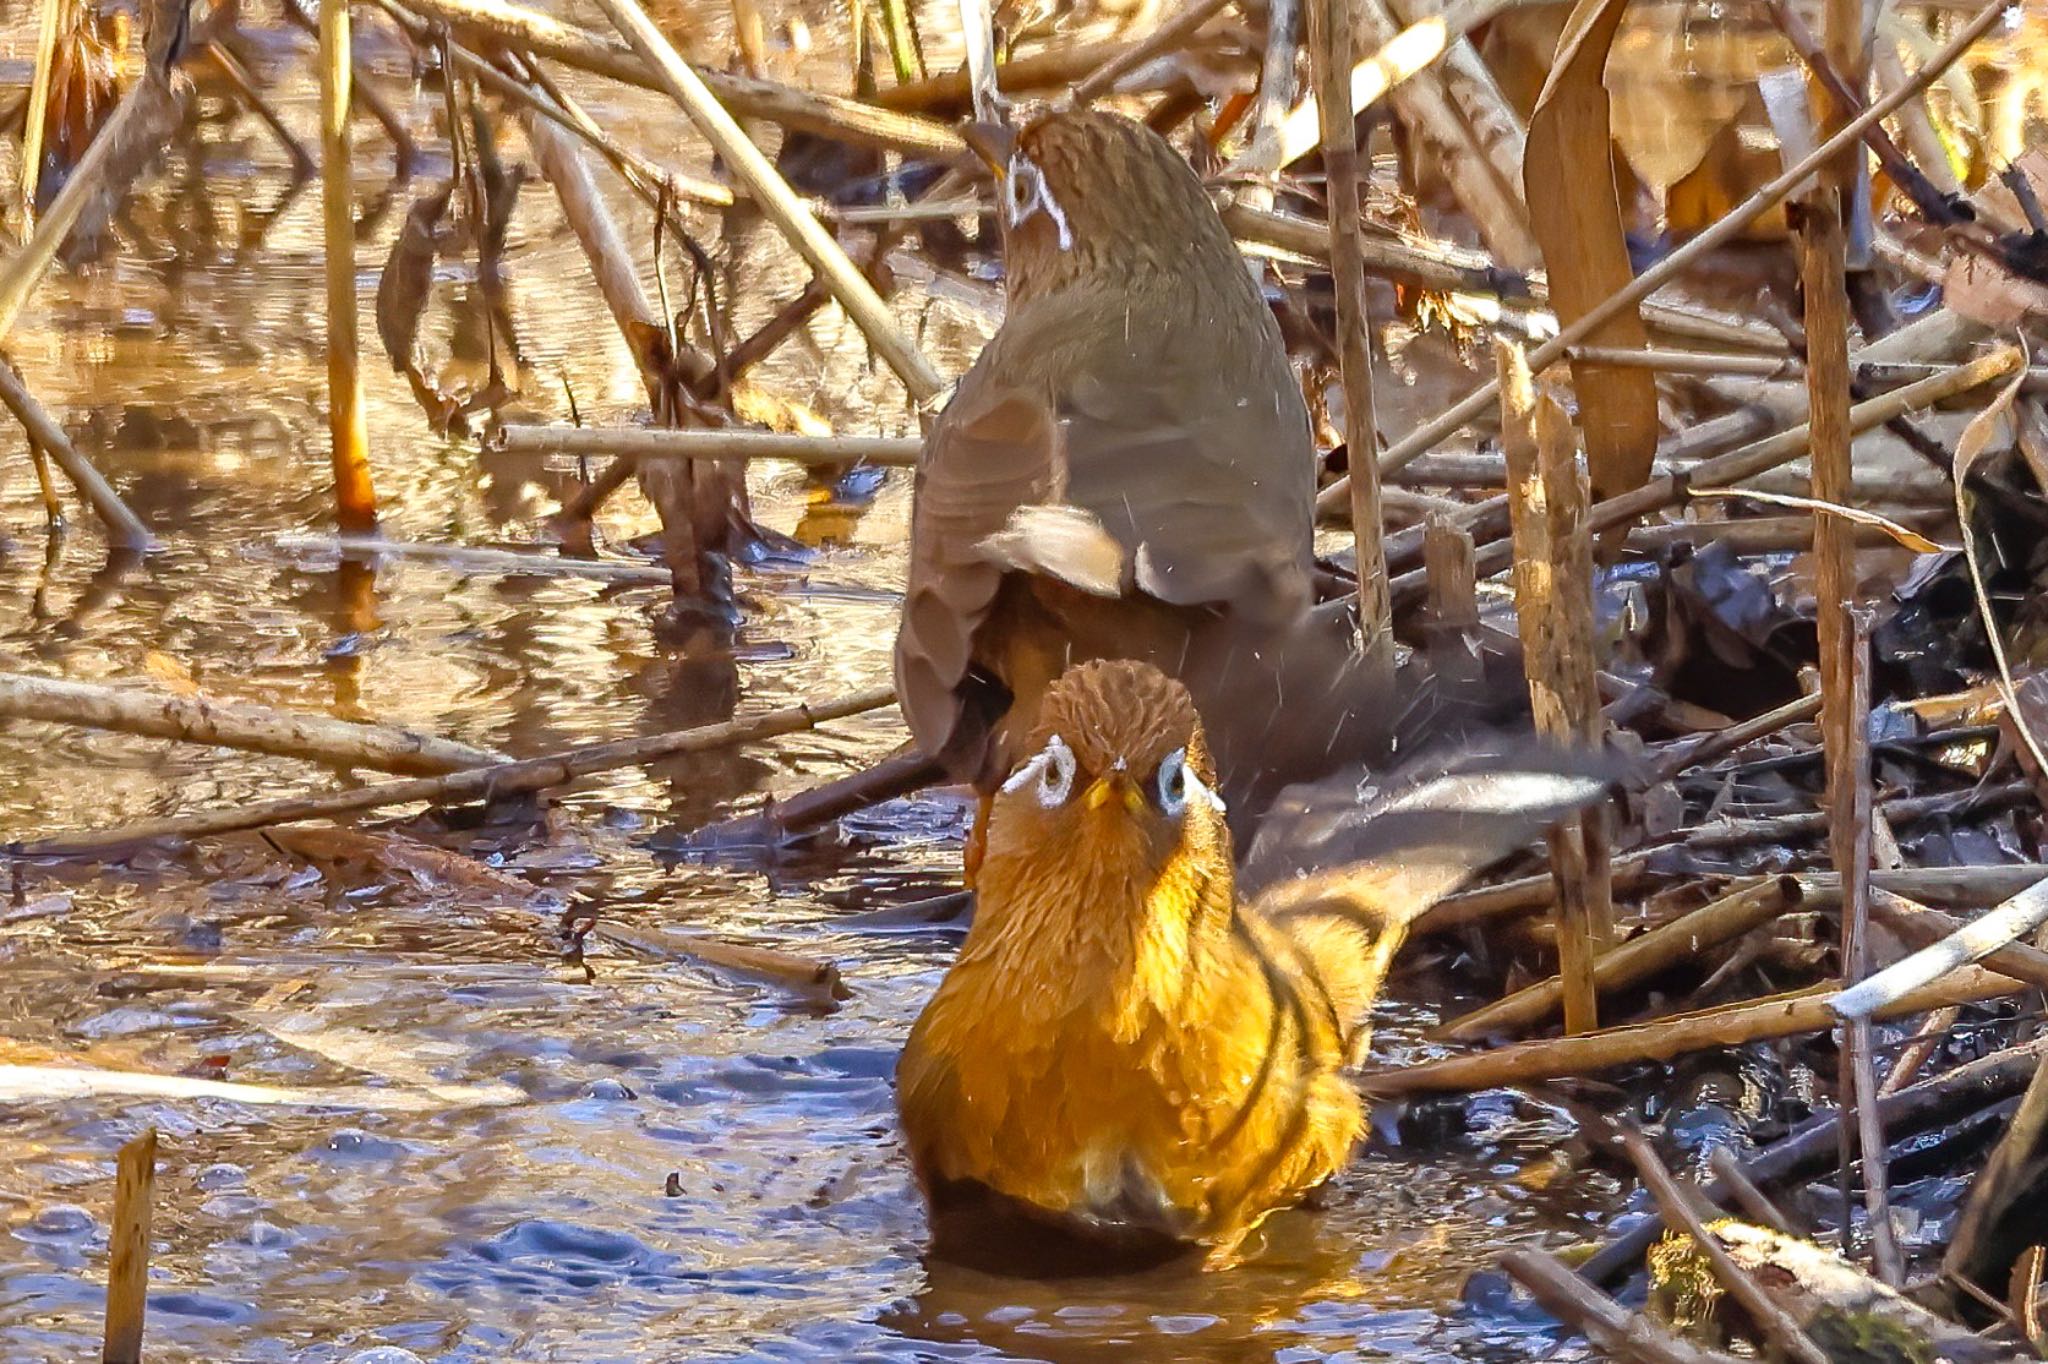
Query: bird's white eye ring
(1025,193)
(1023,187)
(1052,769)
(1174,778)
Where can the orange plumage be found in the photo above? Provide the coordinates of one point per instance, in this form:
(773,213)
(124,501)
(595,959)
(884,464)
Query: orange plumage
(1121,1044)
(1127,1055)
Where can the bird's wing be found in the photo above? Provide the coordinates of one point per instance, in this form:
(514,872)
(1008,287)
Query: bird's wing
(992,451)
(1103,483)
(1214,501)
(1342,867)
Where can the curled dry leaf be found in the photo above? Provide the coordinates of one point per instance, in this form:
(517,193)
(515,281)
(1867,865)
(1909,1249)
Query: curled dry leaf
(1575,211)
(1905,535)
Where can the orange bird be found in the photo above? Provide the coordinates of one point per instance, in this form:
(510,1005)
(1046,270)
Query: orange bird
(1129,1061)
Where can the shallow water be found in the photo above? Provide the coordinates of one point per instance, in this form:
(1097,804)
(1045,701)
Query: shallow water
(700,1168)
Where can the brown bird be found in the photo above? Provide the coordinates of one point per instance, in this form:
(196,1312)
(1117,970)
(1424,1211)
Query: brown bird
(1130,1059)
(1126,472)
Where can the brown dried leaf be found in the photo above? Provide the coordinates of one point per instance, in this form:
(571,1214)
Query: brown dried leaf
(395,854)
(1575,212)
(408,276)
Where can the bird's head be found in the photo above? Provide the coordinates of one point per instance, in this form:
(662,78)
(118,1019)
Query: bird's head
(1118,779)
(1082,194)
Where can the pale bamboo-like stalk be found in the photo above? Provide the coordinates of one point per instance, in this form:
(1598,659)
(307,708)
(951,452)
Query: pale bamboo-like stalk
(1725,229)
(480,783)
(637,442)
(234,724)
(1787,1015)
(51,26)
(355,497)
(1330,49)
(817,246)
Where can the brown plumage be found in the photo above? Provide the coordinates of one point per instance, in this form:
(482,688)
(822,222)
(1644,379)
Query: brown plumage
(1127,471)
(1129,1060)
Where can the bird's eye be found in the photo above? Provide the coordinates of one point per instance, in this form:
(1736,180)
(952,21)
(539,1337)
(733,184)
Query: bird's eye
(1173,782)
(1025,193)
(1178,784)
(1056,780)
(1050,774)
(1022,189)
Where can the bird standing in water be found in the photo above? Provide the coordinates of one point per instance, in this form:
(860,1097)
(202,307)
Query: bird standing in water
(1127,471)
(1129,1060)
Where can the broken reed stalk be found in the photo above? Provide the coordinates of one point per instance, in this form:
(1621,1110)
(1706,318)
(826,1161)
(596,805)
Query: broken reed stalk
(1330,52)
(481,783)
(235,724)
(1725,229)
(893,452)
(355,498)
(1785,1015)
(124,527)
(128,1250)
(811,979)
(777,200)
(1615,1329)
(1453,647)
(1550,551)
(1675,1205)
(1436,264)
(1684,938)
(1169,37)
(1487,192)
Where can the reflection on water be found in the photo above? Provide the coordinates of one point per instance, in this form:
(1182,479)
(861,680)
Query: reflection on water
(700,1170)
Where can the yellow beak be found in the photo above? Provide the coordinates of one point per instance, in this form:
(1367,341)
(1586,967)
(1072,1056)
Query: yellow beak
(1115,786)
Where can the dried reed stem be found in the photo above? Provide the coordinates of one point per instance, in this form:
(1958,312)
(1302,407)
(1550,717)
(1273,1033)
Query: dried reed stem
(1725,229)
(235,724)
(817,246)
(483,783)
(1330,50)
(355,499)
(123,526)
(894,452)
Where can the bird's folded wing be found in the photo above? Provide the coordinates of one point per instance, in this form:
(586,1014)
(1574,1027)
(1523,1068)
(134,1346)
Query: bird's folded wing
(1210,511)
(991,452)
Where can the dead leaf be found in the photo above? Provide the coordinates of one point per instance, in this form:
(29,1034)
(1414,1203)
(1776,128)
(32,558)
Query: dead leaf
(169,671)
(393,853)
(1905,535)
(1575,212)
